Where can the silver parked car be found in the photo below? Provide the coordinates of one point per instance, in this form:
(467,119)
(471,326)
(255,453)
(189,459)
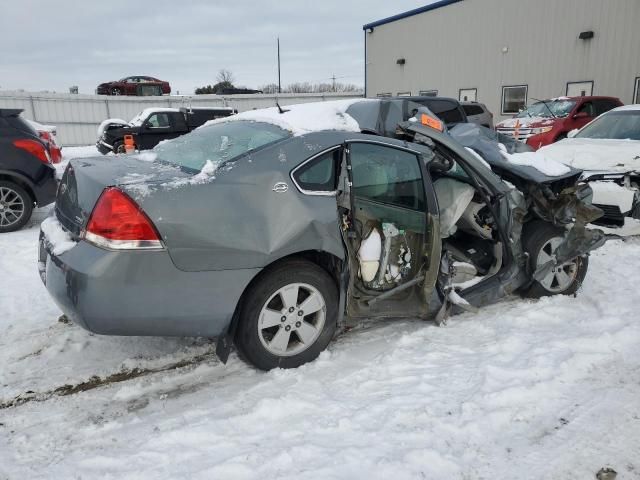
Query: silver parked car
(478,113)
(274,229)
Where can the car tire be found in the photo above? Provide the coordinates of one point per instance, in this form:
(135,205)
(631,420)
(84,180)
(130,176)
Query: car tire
(540,239)
(116,91)
(16,207)
(272,333)
(118,147)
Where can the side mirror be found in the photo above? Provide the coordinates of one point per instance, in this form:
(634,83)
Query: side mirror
(581,115)
(572,133)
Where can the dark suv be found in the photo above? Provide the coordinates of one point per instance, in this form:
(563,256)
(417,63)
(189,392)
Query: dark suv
(27,178)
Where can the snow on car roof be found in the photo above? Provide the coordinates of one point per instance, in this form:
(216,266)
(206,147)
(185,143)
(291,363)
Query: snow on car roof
(635,106)
(303,118)
(144,114)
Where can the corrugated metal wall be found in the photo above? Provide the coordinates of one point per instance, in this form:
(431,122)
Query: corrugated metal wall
(463,46)
(78,116)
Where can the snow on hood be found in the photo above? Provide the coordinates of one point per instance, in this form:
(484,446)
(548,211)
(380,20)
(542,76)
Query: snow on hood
(537,160)
(110,121)
(303,118)
(526,122)
(596,154)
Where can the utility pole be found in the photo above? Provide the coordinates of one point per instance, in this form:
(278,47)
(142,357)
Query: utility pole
(279,84)
(334,82)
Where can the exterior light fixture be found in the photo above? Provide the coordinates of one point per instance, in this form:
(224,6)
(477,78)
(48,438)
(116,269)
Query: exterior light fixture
(401,61)
(586,35)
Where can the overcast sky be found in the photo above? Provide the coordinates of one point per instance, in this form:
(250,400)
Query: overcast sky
(53,44)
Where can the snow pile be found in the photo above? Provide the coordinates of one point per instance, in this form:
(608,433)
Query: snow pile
(58,238)
(303,118)
(537,160)
(596,154)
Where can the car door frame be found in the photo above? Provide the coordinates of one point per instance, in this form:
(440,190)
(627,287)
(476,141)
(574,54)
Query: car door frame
(380,300)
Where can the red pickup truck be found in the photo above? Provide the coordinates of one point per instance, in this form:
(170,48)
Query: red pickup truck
(547,121)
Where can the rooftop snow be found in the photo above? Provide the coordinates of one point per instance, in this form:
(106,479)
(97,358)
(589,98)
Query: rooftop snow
(303,118)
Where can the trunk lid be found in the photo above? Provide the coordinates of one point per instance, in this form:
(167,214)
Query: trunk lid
(85,179)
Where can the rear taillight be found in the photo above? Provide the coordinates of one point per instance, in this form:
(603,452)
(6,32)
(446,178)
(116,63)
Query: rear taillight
(34,148)
(118,223)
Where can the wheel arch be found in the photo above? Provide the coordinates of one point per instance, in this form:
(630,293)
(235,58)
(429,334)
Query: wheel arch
(329,262)
(20,181)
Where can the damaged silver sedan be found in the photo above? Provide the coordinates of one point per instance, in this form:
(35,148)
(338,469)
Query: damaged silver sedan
(273,230)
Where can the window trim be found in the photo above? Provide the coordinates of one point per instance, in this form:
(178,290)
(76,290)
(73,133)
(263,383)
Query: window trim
(636,90)
(475,89)
(316,193)
(566,91)
(425,93)
(526,96)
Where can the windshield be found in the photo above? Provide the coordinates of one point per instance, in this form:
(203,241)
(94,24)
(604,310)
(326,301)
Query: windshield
(620,125)
(217,143)
(559,108)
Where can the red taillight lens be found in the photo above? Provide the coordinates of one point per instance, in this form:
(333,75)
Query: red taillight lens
(34,148)
(118,222)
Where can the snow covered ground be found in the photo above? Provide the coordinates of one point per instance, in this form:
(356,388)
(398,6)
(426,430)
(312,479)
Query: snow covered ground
(522,390)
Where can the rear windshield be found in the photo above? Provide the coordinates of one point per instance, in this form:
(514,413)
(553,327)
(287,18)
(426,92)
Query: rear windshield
(218,143)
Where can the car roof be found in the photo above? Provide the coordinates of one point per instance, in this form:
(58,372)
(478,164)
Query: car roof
(623,108)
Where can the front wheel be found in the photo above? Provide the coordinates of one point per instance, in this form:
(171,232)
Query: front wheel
(118,148)
(289,316)
(540,241)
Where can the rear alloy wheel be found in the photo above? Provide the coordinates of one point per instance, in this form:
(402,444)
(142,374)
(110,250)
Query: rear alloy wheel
(116,91)
(541,242)
(16,207)
(288,317)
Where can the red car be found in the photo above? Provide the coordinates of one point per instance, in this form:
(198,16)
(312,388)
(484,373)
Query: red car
(548,121)
(138,85)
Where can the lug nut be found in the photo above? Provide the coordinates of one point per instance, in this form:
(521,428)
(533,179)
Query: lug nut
(300,313)
(298,324)
(291,309)
(283,319)
(287,328)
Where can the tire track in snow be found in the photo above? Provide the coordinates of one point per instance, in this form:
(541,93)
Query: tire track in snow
(97,382)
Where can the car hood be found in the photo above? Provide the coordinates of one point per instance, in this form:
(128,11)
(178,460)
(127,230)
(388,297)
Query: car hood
(527,122)
(596,154)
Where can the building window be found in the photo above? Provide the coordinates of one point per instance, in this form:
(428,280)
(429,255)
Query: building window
(468,94)
(579,89)
(636,91)
(404,94)
(514,98)
(382,95)
(428,93)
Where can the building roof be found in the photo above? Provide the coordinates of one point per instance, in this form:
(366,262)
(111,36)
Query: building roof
(410,13)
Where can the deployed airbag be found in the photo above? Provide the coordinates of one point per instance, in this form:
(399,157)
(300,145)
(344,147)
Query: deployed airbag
(453,199)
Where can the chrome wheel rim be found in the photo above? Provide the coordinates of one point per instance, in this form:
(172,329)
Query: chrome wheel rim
(292,319)
(11,207)
(560,277)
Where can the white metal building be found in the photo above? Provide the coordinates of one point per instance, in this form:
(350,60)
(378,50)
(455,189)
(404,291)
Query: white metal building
(507,53)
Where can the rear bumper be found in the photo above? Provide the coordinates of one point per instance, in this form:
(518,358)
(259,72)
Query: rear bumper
(139,292)
(45,190)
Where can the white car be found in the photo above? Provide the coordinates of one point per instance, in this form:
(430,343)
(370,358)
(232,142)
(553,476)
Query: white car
(608,150)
